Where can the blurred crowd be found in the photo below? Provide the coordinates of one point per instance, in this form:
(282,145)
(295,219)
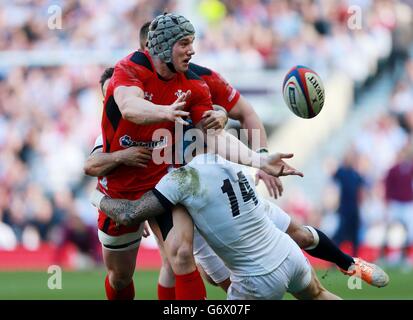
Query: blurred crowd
(49,116)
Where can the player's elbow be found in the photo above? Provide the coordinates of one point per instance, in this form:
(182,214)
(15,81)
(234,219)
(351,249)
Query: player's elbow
(90,169)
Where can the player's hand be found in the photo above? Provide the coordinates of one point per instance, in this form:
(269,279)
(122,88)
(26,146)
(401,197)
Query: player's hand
(135,156)
(273,184)
(214,119)
(146,230)
(274,165)
(176,111)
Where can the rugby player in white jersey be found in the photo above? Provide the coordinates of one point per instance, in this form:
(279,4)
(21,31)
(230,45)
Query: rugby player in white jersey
(221,199)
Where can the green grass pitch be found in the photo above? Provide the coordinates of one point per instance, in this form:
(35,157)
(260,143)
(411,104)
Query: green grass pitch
(89,285)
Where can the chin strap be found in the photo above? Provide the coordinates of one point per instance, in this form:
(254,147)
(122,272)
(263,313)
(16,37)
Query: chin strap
(171,67)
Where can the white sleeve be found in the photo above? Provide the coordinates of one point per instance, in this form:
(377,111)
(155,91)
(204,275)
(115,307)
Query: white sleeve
(173,186)
(98,143)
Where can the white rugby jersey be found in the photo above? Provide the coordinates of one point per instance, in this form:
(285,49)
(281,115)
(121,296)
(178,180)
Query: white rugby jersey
(228,213)
(98,143)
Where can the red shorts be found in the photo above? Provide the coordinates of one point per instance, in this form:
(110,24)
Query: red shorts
(119,237)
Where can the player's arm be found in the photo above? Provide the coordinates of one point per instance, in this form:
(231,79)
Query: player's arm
(100,163)
(232,149)
(128,212)
(134,108)
(171,190)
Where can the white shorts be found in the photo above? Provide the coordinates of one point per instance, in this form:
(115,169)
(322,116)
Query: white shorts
(293,275)
(123,242)
(277,215)
(213,266)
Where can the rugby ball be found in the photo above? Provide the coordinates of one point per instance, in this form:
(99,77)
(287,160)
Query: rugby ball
(303,92)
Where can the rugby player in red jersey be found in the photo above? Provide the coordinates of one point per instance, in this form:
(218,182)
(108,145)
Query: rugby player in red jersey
(141,98)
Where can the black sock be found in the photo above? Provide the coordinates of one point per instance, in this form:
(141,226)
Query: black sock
(327,250)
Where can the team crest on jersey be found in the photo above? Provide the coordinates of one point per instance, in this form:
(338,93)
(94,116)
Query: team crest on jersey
(179,93)
(127,142)
(148,96)
(104,183)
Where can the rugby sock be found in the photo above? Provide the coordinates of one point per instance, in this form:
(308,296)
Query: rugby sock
(165,293)
(127,293)
(189,286)
(327,250)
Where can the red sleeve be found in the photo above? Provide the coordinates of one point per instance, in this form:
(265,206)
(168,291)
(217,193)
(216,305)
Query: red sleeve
(200,101)
(222,93)
(127,74)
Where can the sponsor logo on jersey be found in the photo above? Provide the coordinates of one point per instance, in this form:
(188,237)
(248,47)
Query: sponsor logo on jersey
(127,142)
(179,93)
(148,96)
(104,183)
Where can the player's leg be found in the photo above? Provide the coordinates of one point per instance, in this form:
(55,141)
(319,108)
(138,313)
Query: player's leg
(224,285)
(302,280)
(315,291)
(211,267)
(120,266)
(166,279)
(318,245)
(119,251)
(175,234)
(312,240)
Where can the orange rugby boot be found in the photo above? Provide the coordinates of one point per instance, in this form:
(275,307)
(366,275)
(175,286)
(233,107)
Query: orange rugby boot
(369,272)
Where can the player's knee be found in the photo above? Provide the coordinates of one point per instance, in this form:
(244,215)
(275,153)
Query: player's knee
(119,279)
(317,292)
(184,254)
(303,237)
(166,266)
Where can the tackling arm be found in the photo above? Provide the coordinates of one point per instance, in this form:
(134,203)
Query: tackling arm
(128,212)
(230,148)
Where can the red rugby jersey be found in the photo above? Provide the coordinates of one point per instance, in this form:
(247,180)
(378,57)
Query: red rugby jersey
(137,69)
(222,93)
